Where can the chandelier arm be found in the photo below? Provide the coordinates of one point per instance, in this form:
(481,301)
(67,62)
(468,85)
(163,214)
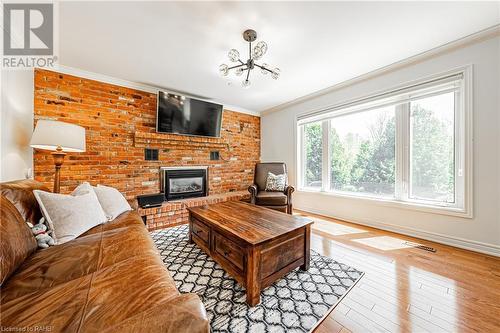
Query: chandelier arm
(241,62)
(264,68)
(248,74)
(236,66)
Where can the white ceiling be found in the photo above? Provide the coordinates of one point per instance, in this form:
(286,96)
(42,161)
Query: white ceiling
(180,45)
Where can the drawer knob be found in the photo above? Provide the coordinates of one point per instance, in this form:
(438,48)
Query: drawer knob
(226,253)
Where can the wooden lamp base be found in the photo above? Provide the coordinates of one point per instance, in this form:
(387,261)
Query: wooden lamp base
(58,156)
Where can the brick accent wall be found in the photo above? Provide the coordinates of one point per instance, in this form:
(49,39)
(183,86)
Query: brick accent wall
(120,123)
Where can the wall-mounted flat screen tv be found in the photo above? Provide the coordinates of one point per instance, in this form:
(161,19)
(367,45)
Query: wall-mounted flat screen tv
(183,115)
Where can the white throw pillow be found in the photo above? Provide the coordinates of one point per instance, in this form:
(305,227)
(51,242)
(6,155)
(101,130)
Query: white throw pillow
(112,201)
(69,216)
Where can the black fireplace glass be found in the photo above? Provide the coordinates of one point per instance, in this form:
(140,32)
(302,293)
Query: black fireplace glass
(184,183)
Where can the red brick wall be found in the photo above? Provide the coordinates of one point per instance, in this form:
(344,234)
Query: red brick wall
(119,123)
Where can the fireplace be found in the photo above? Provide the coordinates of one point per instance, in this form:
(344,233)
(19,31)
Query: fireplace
(183,182)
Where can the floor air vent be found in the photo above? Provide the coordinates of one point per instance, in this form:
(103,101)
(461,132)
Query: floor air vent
(421,247)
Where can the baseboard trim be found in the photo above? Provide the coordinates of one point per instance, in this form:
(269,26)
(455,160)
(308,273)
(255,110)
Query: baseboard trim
(485,248)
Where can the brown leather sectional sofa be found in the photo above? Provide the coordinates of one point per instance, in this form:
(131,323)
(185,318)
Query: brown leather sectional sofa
(111,279)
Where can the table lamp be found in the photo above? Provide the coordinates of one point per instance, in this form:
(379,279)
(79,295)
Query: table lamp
(61,138)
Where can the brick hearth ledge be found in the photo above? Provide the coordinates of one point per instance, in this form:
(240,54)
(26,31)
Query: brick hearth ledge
(173,213)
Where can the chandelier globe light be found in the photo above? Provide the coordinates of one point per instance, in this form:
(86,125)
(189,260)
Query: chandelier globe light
(245,67)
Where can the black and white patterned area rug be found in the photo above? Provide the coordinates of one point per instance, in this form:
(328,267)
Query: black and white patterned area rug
(295,303)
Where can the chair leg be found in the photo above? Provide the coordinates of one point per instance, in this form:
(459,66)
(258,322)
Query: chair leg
(289,209)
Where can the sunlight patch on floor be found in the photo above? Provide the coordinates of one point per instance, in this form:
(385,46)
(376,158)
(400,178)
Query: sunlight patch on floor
(334,229)
(447,319)
(385,243)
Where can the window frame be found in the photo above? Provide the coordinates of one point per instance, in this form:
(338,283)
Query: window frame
(463,144)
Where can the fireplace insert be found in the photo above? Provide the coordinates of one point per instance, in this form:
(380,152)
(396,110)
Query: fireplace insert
(183,182)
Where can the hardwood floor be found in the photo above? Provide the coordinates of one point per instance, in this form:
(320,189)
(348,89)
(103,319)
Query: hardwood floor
(407,289)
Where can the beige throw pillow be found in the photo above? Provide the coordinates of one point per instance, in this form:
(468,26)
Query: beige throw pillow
(112,201)
(69,216)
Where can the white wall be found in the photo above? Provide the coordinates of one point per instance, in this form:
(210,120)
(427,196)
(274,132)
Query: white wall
(16,117)
(482,232)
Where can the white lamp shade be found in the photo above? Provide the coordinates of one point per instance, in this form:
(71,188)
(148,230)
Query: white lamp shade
(50,134)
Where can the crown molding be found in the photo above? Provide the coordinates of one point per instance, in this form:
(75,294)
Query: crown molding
(479,36)
(138,86)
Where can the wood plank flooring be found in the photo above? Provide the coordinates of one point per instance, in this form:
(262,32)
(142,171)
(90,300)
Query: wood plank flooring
(406,289)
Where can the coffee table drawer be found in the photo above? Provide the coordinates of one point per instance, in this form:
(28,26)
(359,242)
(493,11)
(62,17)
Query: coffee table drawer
(200,230)
(230,251)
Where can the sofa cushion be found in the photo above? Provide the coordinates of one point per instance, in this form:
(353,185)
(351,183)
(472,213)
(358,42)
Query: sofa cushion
(75,259)
(20,193)
(125,289)
(94,301)
(123,220)
(271,198)
(17,240)
(60,308)
(181,313)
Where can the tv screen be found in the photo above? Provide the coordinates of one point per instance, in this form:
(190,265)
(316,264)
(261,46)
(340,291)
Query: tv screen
(183,115)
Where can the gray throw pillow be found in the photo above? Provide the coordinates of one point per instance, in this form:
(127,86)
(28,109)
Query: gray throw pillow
(275,183)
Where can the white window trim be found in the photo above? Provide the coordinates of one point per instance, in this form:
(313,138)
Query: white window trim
(464,133)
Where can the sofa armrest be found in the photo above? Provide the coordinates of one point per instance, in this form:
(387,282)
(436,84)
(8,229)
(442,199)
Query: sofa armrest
(182,314)
(253,193)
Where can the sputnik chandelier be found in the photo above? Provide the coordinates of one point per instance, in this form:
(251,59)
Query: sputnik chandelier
(253,54)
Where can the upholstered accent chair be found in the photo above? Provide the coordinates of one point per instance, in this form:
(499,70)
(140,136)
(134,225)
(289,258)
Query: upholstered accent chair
(281,201)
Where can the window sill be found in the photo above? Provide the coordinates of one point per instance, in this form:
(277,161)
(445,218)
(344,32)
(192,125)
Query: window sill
(415,206)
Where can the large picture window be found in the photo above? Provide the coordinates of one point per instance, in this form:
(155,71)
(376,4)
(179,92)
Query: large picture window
(362,152)
(409,145)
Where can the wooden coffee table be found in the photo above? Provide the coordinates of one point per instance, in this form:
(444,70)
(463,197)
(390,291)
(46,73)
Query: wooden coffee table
(255,245)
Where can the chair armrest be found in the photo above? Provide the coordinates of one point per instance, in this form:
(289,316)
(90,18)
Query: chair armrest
(253,193)
(289,189)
